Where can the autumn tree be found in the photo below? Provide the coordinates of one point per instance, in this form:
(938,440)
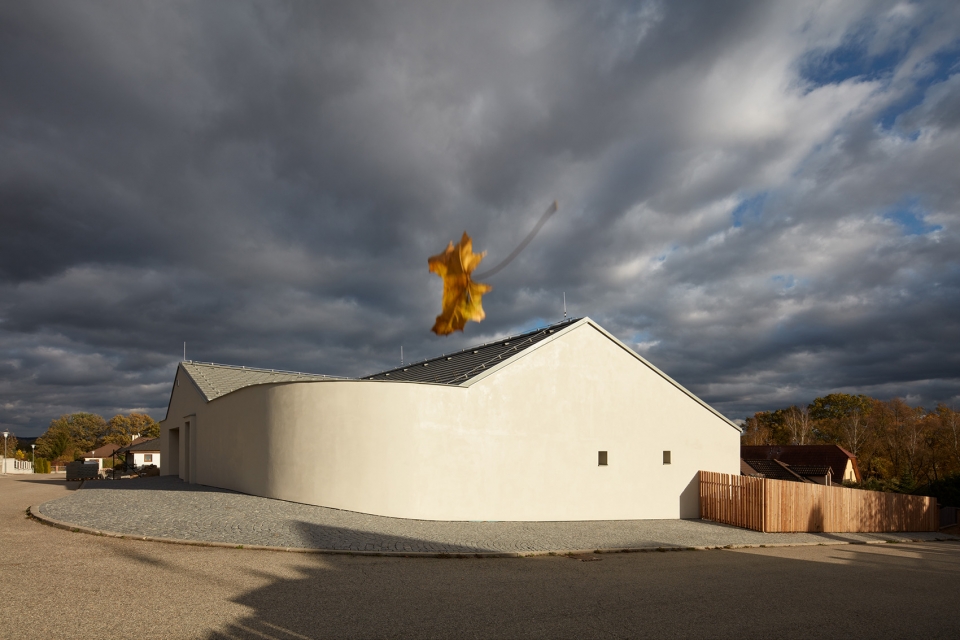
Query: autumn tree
(898,447)
(948,424)
(841,418)
(123,430)
(765,427)
(11,445)
(71,436)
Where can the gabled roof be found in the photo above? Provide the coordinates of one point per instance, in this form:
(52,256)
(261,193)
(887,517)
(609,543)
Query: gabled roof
(142,444)
(465,367)
(105,451)
(811,469)
(461,368)
(747,470)
(832,455)
(215,380)
(456,368)
(774,469)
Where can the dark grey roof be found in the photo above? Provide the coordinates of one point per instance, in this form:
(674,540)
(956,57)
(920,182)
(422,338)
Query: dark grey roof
(457,368)
(811,469)
(775,470)
(215,380)
(142,444)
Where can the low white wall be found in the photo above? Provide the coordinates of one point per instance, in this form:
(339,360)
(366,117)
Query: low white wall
(520,444)
(14,466)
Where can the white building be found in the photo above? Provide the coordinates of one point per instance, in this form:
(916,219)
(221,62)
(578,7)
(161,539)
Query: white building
(562,423)
(142,452)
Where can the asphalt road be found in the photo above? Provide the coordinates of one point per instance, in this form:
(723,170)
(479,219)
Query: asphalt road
(58,584)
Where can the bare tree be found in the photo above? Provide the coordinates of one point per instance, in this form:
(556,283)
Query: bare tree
(797,421)
(855,430)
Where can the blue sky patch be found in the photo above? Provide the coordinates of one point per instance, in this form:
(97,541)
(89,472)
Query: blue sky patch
(943,64)
(749,210)
(912,219)
(850,60)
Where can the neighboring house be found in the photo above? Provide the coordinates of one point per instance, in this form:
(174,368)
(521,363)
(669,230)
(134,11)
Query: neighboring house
(560,423)
(842,463)
(779,470)
(101,454)
(142,452)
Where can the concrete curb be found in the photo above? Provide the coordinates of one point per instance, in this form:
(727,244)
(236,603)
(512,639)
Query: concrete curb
(34,512)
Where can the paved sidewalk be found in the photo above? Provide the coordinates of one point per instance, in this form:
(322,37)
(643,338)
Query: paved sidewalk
(166,507)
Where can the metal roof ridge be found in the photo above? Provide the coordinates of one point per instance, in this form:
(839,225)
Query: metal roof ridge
(238,367)
(527,334)
(207,380)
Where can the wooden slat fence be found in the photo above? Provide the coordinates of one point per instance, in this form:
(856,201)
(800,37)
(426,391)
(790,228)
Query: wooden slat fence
(781,506)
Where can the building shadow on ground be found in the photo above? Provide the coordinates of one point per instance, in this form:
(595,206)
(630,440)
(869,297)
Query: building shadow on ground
(687,594)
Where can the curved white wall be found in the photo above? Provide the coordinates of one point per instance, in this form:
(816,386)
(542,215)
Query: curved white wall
(520,444)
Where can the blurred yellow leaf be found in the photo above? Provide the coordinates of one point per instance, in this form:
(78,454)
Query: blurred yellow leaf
(461,295)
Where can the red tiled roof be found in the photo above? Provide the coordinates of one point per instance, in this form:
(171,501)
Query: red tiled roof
(831,455)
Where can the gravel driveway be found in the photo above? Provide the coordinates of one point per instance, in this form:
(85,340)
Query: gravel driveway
(166,507)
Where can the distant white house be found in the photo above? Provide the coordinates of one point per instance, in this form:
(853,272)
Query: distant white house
(561,423)
(142,452)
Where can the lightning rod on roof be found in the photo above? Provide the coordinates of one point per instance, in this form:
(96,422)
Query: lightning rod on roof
(401,355)
(564,305)
(184,351)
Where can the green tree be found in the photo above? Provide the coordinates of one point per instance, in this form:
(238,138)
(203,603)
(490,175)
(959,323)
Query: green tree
(55,443)
(71,436)
(765,427)
(842,419)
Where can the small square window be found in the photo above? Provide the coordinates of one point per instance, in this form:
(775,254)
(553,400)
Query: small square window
(601,458)
(666,457)
(148,457)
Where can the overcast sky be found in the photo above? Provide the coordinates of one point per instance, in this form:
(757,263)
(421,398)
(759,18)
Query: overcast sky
(762,198)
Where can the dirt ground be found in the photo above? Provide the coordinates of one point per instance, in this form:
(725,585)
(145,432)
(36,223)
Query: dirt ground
(59,584)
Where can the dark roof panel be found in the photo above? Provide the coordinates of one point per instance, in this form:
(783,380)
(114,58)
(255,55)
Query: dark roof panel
(831,455)
(773,469)
(811,469)
(142,444)
(457,368)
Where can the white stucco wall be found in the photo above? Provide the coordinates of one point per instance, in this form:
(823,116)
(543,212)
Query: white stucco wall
(185,402)
(518,444)
(139,459)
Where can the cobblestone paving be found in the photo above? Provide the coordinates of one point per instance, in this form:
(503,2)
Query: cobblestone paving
(167,507)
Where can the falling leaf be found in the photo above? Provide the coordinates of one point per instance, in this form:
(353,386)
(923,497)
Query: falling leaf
(461,295)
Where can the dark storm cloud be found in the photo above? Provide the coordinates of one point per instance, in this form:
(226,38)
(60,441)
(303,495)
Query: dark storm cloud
(762,198)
